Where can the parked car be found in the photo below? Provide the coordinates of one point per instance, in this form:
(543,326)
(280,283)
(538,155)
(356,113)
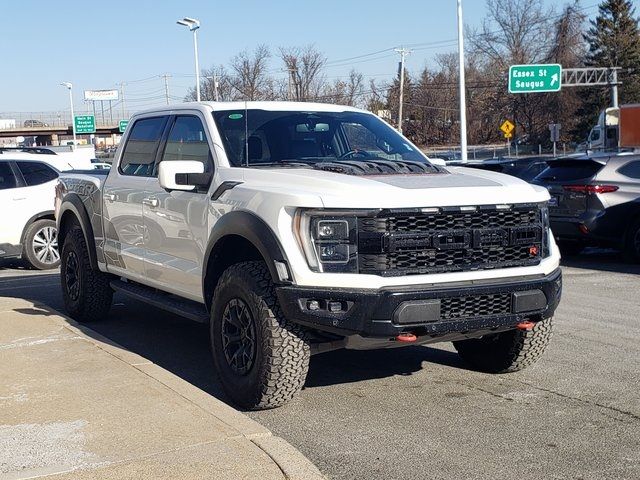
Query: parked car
(292,228)
(526,168)
(35,123)
(595,200)
(27,190)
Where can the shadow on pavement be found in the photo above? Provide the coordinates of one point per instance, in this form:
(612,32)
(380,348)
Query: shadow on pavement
(601,260)
(182,346)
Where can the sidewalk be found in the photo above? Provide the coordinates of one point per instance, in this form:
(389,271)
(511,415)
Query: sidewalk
(75,405)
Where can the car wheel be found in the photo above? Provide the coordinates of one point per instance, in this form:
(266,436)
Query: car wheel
(632,244)
(261,358)
(86,292)
(40,248)
(508,351)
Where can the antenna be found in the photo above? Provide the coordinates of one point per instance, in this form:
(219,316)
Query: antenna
(246,135)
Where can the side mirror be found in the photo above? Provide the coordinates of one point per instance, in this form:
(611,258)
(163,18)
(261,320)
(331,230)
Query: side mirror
(183,175)
(438,162)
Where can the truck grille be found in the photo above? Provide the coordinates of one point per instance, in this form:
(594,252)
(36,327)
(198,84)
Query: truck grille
(414,243)
(475,306)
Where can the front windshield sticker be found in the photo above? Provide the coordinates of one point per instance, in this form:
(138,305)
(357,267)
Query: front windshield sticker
(236,116)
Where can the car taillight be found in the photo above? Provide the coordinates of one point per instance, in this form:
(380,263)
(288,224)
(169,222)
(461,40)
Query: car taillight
(590,189)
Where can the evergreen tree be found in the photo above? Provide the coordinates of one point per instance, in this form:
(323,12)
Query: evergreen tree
(614,41)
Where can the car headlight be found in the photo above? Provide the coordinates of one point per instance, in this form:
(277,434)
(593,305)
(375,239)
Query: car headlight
(329,240)
(546,231)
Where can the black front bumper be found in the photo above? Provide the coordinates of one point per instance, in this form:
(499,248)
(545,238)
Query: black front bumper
(420,310)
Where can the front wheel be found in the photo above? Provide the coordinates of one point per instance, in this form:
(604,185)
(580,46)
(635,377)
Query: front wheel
(261,358)
(86,292)
(508,351)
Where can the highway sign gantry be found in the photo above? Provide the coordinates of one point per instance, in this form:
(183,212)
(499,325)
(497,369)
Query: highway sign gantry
(535,78)
(84,124)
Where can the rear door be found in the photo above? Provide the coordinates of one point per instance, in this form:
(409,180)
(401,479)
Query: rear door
(177,220)
(124,191)
(562,177)
(12,196)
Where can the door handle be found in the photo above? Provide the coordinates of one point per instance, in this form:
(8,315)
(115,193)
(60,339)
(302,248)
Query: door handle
(151,202)
(110,197)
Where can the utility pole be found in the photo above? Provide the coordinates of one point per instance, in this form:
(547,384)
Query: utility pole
(166,86)
(216,96)
(462,88)
(124,110)
(403,52)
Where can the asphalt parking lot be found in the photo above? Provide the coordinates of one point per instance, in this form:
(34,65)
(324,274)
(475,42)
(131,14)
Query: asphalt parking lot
(418,412)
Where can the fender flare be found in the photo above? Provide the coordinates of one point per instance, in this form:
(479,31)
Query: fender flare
(73,203)
(253,229)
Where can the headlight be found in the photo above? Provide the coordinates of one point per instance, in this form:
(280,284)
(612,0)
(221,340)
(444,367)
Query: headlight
(546,232)
(329,240)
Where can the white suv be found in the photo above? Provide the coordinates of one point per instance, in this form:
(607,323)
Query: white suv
(27,189)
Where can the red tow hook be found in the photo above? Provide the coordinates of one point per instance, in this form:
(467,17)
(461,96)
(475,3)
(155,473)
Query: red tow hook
(527,325)
(406,337)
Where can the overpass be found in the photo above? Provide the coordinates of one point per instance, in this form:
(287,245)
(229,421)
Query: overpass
(49,135)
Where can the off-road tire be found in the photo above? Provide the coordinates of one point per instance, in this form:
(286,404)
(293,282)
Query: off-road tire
(632,243)
(29,254)
(281,351)
(571,249)
(508,351)
(91,299)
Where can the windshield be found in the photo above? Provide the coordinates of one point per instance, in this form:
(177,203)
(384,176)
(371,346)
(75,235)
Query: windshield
(263,138)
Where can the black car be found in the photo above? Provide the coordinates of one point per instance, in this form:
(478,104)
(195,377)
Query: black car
(595,201)
(525,168)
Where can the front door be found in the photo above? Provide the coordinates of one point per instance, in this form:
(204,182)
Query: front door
(124,192)
(176,252)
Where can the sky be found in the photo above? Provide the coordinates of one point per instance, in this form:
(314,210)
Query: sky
(98,44)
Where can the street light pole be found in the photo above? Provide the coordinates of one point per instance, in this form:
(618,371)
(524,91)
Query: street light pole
(69,86)
(193,25)
(403,52)
(462,88)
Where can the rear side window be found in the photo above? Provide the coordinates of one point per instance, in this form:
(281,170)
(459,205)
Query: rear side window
(140,151)
(7,178)
(187,141)
(631,170)
(36,173)
(566,170)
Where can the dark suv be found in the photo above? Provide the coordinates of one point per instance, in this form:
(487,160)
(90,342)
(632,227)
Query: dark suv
(595,200)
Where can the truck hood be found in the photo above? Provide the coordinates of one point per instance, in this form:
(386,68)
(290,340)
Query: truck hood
(455,186)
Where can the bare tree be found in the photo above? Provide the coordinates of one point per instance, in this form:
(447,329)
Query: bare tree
(346,92)
(250,74)
(304,69)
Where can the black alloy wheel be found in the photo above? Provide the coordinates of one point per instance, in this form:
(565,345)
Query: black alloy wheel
(238,336)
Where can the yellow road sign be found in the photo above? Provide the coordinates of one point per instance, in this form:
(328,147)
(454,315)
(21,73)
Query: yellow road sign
(507,127)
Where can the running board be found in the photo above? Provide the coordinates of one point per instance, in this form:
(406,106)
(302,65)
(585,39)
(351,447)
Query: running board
(185,308)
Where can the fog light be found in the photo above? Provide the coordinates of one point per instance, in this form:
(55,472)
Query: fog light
(313,305)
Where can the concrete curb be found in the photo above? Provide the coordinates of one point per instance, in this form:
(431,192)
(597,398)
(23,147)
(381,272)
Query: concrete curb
(293,464)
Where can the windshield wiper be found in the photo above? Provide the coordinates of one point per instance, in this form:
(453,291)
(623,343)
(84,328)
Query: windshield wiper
(282,163)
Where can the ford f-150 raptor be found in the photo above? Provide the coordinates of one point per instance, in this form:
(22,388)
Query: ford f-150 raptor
(294,228)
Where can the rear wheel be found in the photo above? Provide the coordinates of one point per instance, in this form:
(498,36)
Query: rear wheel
(40,249)
(86,292)
(632,244)
(261,358)
(508,351)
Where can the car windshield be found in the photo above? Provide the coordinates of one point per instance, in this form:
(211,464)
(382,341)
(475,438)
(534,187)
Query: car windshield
(256,138)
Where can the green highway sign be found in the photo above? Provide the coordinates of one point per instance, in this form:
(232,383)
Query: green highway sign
(84,124)
(122,125)
(535,78)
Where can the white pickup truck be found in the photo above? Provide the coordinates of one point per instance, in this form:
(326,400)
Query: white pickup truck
(294,228)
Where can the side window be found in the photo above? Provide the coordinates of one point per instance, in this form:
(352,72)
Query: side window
(36,173)
(187,140)
(631,170)
(139,153)
(7,178)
